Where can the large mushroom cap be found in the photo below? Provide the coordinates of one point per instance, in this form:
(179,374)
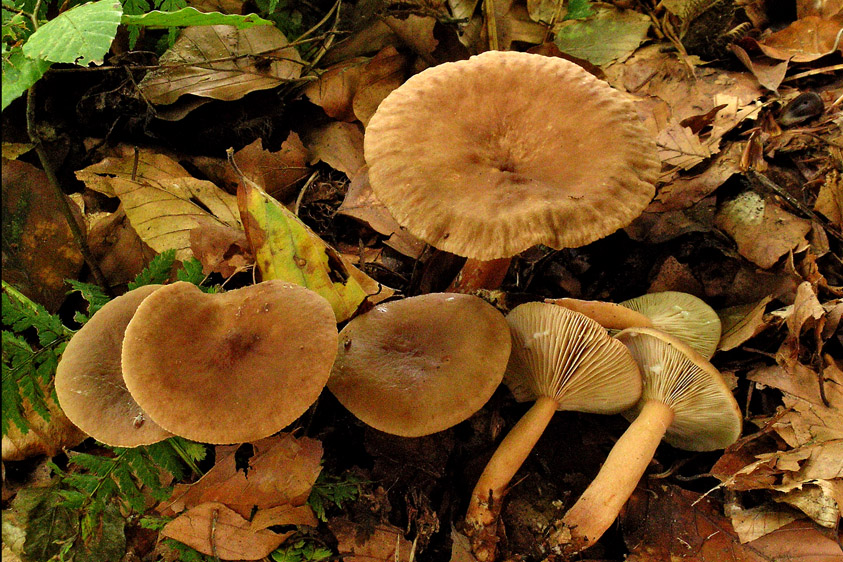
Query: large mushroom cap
(570,358)
(230,367)
(89,378)
(681,315)
(707,417)
(422,364)
(487,157)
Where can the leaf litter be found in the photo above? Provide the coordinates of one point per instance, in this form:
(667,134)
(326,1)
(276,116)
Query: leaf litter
(747,216)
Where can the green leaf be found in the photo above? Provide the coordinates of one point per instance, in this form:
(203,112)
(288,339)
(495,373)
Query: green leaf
(80,36)
(193,17)
(93,294)
(20,73)
(579,9)
(49,526)
(106,540)
(158,270)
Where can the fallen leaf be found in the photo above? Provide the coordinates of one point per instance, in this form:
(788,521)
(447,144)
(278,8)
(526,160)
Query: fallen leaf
(383,73)
(334,90)
(799,541)
(830,199)
(339,145)
(358,543)
(163,202)
(360,203)
(680,147)
(39,251)
(118,249)
(804,40)
(762,230)
(769,74)
(756,522)
(609,35)
(281,473)
(215,530)
(220,248)
(283,515)
(742,323)
(222,62)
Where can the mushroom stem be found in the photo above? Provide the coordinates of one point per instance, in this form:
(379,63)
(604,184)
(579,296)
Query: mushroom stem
(599,505)
(484,505)
(480,274)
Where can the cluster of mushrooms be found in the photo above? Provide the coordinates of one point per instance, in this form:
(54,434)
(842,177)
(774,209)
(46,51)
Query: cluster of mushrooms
(246,363)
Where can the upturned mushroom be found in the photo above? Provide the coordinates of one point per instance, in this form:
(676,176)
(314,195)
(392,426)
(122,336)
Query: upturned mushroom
(681,315)
(685,402)
(488,156)
(420,365)
(562,360)
(229,367)
(89,378)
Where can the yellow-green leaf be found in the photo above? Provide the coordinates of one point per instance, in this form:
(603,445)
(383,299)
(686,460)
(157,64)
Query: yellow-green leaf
(285,248)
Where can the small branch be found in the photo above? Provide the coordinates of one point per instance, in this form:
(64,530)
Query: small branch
(78,235)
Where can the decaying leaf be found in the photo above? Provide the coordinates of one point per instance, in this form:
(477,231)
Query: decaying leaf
(358,543)
(222,62)
(220,248)
(281,472)
(339,145)
(285,248)
(163,202)
(610,35)
(215,530)
(741,323)
(804,40)
(120,252)
(39,251)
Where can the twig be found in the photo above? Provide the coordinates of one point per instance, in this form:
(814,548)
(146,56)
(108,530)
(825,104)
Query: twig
(491,24)
(61,198)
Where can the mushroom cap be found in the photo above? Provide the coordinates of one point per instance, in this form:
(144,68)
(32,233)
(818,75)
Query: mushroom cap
(89,378)
(422,364)
(229,367)
(570,358)
(707,415)
(681,315)
(610,315)
(488,156)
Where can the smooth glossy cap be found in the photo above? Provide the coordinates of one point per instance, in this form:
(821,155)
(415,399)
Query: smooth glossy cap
(570,358)
(707,416)
(683,316)
(610,315)
(489,156)
(89,378)
(229,367)
(422,364)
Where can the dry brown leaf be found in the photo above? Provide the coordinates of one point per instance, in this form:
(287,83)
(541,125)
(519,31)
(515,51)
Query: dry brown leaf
(360,203)
(39,251)
(383,73)
(830,199)
(680,147)
(222,62)
(805,40)
(799,541)
(359,543)
(215,530)
(282,471)
(741,323)
(335,88)
(761,520)
(118,249)
(818,499)
(821,8)
(676,276)
(769,74)
(762,230)
(339,145)
(163,202)
(220,248)
(283,515)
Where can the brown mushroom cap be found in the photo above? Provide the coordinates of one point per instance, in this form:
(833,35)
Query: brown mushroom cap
(487,157)
(607,314)
(422,364)
(89,378)
(681,315)
(229,367)
(570,358)
(707,417)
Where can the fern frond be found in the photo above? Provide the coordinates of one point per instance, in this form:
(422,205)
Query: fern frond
(158,270)
(93,295)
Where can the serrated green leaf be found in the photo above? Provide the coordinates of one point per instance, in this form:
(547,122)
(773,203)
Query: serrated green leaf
(20,72)
(81,35)
(192,17)
(93,294)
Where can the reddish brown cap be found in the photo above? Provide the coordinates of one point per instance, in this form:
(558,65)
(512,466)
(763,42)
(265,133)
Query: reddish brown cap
(681,315)
(487,157)
(229,367)
(707,416)
(420,365)
(89,378)
(570,358)
(608,314)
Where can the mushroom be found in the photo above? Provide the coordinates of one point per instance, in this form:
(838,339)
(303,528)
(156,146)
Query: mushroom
(420,365)
(488,156)
(89,378)
(685,402)
(610,315)
(681,315)
(229,367)
(564,361)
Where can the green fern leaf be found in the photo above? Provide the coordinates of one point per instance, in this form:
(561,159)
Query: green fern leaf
(158,270)
(94,296)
